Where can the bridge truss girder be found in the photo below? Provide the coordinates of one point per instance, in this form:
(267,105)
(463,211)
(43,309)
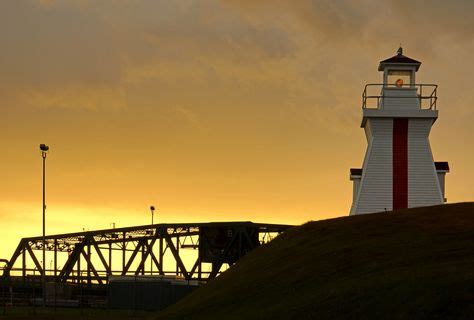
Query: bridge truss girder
(141,244)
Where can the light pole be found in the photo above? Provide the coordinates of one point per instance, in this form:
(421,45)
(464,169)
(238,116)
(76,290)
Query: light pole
(44,150)
(152,209)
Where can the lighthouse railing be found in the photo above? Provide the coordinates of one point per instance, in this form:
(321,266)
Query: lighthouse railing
(424,92)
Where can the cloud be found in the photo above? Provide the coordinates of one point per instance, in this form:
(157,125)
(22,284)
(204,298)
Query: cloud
(316,54)
(257,79)
(75,97)
(62,48)
(189,116)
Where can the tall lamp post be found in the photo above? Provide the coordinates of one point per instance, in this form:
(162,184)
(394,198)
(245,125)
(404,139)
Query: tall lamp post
(152,209)
(44,151)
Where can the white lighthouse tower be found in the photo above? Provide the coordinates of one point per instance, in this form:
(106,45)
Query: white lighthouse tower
(398,170)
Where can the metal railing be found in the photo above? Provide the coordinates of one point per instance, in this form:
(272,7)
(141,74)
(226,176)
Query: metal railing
(431,97)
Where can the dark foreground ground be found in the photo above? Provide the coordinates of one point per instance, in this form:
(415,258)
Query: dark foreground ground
(50,313)
(410,264)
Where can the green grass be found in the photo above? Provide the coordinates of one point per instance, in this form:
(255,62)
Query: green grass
(409,264)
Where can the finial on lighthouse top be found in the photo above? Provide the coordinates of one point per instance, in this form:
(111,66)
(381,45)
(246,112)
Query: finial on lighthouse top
(400,50)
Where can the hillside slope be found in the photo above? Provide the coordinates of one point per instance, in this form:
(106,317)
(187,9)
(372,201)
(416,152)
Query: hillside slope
(415,263)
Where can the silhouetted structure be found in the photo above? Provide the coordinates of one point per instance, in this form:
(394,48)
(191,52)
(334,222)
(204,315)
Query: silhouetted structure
(217,243)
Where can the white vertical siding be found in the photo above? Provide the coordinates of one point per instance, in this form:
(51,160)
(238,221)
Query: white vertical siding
(423,184)
(355,189)
(375,191)
(400,99)
(441,179)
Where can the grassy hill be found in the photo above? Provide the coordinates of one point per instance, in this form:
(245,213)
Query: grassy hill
(408,264)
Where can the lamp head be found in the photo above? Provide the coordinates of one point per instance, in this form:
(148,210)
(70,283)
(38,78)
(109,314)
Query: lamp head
(152,208)
(44,147)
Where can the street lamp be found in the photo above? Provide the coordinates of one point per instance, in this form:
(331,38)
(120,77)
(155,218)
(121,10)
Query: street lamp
(44,151)
(152,209)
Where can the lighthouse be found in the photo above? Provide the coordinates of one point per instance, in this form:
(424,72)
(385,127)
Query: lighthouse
(397,115)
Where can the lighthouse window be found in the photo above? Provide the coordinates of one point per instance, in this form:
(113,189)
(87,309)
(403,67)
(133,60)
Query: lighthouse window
(399,78)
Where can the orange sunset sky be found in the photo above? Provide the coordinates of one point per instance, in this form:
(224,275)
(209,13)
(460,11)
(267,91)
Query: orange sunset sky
(210,110)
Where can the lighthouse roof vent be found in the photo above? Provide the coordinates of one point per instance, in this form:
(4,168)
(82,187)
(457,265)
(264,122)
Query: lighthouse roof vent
(399,60)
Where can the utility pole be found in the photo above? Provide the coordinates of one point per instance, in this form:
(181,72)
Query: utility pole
(152,209)
(44,150)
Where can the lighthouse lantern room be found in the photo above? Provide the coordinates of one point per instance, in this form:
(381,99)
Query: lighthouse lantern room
(398,170)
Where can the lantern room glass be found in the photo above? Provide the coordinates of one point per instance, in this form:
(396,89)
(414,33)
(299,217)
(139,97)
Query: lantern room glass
(399,78)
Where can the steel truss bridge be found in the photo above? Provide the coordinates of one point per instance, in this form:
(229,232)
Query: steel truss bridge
(93,256)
